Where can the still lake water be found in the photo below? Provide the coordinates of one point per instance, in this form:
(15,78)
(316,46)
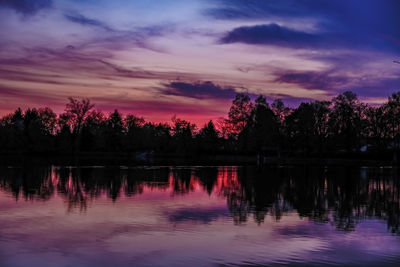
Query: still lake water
(199,216)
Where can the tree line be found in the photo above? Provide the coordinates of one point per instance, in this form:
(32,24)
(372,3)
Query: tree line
(342,126)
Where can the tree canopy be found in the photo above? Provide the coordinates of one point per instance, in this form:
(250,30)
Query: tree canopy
(342,125)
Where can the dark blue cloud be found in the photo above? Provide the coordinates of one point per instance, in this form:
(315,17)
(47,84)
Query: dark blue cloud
(271,34)
(200,90)
(26,7)
(369,24)
(85,21)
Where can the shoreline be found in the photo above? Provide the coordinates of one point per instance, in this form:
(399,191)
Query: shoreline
(132,159)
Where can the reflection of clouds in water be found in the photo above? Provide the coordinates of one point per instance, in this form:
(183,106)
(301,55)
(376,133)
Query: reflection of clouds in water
(197,214)
(156,227)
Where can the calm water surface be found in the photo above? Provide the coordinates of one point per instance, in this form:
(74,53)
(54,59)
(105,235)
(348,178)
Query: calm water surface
(199,216)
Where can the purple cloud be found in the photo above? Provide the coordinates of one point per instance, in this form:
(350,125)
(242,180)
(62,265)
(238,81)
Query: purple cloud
(313,80)
(200,90)
(330,81)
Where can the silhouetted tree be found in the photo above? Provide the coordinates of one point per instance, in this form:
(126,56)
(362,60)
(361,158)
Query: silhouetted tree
(158,137)
(375,128)
(48,120)
(115,127)
(345,121)
(135,133)
(391,113)
(208,138)
(93,132)
(262,128)
(307,127)
(38,128)
(11,132)
(183,132)
(76,112)
(64,140)
(280,110)
(238,115)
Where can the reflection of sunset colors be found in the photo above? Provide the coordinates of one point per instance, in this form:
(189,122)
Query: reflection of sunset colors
(247,193)
(160,58)
(186,216)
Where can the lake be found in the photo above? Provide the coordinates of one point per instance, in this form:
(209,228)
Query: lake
(199,216)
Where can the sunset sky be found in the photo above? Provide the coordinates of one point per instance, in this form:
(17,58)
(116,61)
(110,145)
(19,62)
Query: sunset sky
(190,57)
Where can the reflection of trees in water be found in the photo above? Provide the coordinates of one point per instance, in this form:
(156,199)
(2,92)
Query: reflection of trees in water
(182,181)
(80,185)
(33,184)
(342,196)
